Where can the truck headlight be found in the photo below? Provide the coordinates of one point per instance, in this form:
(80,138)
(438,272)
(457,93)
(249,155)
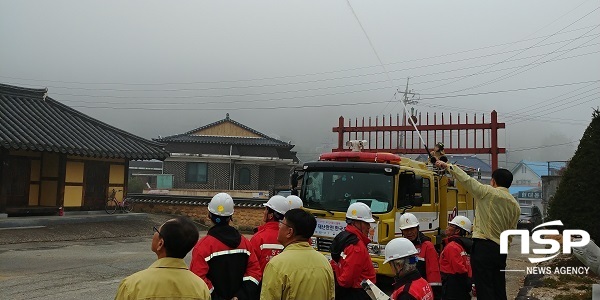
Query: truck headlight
(375,249)
(313,242)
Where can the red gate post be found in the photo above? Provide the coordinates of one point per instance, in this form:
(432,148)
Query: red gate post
(494,148)
(340,131)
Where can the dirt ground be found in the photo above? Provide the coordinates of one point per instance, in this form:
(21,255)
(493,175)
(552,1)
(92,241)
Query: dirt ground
(563,286)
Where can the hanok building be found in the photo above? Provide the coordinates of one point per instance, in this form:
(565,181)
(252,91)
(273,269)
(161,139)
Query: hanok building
(227,155)
(52,155)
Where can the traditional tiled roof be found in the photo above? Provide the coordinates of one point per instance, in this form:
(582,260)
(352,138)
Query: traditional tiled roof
(30,120)
(225,140)
(261,140)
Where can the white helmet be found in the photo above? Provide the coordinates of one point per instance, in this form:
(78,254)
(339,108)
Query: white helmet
(407,221)
(462,222)
(221,204)
(360,211)
(399,248)
(279,204)
(296,201)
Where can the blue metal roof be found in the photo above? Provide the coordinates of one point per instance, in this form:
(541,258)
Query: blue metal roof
(541,168)
(465,160)
(516,189)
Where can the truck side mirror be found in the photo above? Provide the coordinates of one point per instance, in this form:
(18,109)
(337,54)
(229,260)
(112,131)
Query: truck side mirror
(409,186)
(294,179)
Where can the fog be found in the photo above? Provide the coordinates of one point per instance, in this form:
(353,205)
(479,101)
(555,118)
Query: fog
(290,69)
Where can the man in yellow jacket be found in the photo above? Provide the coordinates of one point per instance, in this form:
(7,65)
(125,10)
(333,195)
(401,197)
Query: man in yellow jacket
(168,277)
(496,210)
(299,271)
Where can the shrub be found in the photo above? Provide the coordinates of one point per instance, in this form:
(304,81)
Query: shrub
(576,200)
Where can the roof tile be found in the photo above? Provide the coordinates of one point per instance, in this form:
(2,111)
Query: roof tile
(29,120)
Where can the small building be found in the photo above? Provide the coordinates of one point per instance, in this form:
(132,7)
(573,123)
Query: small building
(146,171)
(527,186)
(529,173)
(52,155)
(229,156)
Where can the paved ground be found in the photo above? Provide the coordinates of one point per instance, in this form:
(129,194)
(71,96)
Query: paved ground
(516,261)
(73,261)
(88,269)
(87,261)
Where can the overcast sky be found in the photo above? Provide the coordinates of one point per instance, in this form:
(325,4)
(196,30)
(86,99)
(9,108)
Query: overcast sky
(290,69)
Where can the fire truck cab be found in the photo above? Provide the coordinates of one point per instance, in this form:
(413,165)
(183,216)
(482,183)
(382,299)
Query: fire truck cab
(391,185)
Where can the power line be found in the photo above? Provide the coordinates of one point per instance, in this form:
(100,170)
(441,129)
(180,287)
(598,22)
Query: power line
(544,146)
(529,116)
(558,100)
(504,69)
(238,108)
(297,75)
(566,103)
(330,79)
(500,62)
(510,74)
(508,150)
(467,110)
(320,95)
(217,96)
(561,95)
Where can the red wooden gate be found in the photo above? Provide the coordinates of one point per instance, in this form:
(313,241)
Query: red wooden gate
(402,138)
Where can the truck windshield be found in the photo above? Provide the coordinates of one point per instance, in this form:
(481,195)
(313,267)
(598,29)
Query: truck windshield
(335,191)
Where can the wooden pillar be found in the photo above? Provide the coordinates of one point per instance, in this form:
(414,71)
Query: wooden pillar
(3,156)
(62,172)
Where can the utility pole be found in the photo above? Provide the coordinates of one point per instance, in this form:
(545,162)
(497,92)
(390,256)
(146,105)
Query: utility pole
(406,101)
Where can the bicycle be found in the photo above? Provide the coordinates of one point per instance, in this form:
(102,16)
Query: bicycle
(113,203)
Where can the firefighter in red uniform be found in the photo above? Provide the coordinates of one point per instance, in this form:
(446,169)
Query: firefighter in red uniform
(401,254)
(455,263)
(223,258)
(350,258)
(428,265)
(264,242)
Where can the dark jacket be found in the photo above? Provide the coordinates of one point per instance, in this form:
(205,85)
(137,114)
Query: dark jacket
(225,261)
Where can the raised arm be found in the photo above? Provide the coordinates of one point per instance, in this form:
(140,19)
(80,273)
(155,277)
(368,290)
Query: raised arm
(474,187)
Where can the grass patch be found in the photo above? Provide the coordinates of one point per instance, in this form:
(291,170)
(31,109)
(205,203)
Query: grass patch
(583,287)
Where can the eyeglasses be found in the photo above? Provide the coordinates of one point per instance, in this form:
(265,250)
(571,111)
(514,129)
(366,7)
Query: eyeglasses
(157,231)
(286,225)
